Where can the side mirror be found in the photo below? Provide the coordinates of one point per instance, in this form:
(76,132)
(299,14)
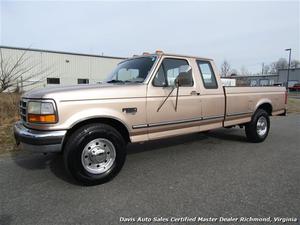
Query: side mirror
(184,77)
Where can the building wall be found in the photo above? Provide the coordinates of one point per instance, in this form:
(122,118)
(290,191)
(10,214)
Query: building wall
(294,76)
(264,80)
(66,66)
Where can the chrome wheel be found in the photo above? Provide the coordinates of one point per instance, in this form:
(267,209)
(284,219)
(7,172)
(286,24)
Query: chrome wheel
(262,126)
(98,156)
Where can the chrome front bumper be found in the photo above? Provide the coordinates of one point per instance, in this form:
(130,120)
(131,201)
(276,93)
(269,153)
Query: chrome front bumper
(37,140)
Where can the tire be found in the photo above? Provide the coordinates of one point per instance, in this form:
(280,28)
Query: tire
(258,129)
(94,153)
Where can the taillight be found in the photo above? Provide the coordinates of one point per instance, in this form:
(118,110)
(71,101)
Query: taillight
(285,97)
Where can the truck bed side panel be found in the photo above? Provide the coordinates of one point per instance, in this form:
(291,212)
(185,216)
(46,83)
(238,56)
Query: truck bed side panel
(242,102)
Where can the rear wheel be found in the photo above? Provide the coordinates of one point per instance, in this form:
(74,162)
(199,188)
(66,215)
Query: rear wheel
(94,153)
(258,129)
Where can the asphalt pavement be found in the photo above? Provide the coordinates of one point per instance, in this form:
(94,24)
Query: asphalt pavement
(215,174)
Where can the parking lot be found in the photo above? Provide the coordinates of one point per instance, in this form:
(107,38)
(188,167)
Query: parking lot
(206,174)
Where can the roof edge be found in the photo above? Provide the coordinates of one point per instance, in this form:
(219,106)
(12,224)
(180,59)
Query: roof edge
(59,52)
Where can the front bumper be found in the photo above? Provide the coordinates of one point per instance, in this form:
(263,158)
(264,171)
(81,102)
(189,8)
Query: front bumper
(37,140)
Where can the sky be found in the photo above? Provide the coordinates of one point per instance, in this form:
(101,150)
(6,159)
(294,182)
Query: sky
(244,33)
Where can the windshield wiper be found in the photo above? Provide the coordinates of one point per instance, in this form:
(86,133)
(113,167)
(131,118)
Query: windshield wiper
(115,81)
(132,81)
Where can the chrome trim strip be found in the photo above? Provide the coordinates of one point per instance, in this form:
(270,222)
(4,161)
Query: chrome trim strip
(212,117)
(139,126)
(174,122)
(166,123)
(239,113)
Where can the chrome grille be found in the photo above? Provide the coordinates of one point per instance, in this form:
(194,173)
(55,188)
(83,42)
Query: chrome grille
(23,109)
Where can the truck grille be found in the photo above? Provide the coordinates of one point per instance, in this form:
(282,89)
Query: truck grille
(23,109)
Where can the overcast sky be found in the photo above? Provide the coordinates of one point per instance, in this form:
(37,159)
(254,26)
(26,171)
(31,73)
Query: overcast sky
(245,33)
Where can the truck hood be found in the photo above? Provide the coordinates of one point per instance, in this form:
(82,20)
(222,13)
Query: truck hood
(88,92)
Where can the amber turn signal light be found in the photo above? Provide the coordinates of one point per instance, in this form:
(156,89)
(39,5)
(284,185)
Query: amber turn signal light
(36,118)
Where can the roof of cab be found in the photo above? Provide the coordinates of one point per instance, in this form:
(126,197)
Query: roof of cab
(161,53)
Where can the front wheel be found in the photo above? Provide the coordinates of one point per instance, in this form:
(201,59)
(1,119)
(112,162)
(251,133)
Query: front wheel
(258,129)
(94,153)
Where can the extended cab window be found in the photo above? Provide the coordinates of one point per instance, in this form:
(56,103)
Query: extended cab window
(168,72)
(207,74)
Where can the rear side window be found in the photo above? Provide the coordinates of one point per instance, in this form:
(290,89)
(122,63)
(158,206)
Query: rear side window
(207,74)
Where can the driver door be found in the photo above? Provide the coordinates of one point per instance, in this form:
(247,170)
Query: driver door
(163,117)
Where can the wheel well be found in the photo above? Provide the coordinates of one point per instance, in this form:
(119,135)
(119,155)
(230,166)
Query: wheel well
(267,107)
(120,127)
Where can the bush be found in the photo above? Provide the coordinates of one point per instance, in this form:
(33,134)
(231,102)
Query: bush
(9,106)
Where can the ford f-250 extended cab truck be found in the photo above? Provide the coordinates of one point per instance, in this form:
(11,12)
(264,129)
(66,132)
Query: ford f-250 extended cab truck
(146,97)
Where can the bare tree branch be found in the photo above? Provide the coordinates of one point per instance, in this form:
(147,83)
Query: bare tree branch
(225,69)
(20,69)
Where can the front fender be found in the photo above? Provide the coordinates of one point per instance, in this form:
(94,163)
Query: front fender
(94,113)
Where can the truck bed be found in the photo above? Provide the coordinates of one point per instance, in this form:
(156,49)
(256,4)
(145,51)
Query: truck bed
(241,102)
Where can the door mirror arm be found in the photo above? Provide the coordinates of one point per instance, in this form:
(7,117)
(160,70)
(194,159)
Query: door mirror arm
(161,105)
(179,81)
(177,84)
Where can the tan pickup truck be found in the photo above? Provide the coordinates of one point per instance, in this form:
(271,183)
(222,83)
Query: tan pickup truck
(146,97)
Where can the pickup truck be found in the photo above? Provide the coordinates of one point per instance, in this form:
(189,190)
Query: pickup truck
(147,97)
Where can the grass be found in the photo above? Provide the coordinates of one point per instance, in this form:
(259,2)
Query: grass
(293,106)
(9,114)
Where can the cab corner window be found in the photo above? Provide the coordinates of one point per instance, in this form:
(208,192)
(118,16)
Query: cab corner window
(169,70)
(207,74)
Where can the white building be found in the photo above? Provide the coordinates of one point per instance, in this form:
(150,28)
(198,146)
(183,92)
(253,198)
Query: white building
(54,68)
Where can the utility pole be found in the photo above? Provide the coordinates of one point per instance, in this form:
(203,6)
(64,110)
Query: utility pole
(288,72)
(262,68)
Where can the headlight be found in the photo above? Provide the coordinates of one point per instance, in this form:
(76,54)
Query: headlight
(41,112)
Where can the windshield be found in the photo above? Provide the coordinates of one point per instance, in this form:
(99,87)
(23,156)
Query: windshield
(132,70)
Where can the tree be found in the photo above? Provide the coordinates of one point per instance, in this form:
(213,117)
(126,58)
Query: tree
(225,69)
(244,71)
(281,63)
(295,64)
(266,69)
(19,72)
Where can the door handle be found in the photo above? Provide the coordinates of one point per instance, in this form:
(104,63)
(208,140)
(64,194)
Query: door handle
(195,93)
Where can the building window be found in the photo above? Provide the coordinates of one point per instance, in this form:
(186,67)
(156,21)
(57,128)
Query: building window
(53,81)
(82,81)
(263,82)
(253,83)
